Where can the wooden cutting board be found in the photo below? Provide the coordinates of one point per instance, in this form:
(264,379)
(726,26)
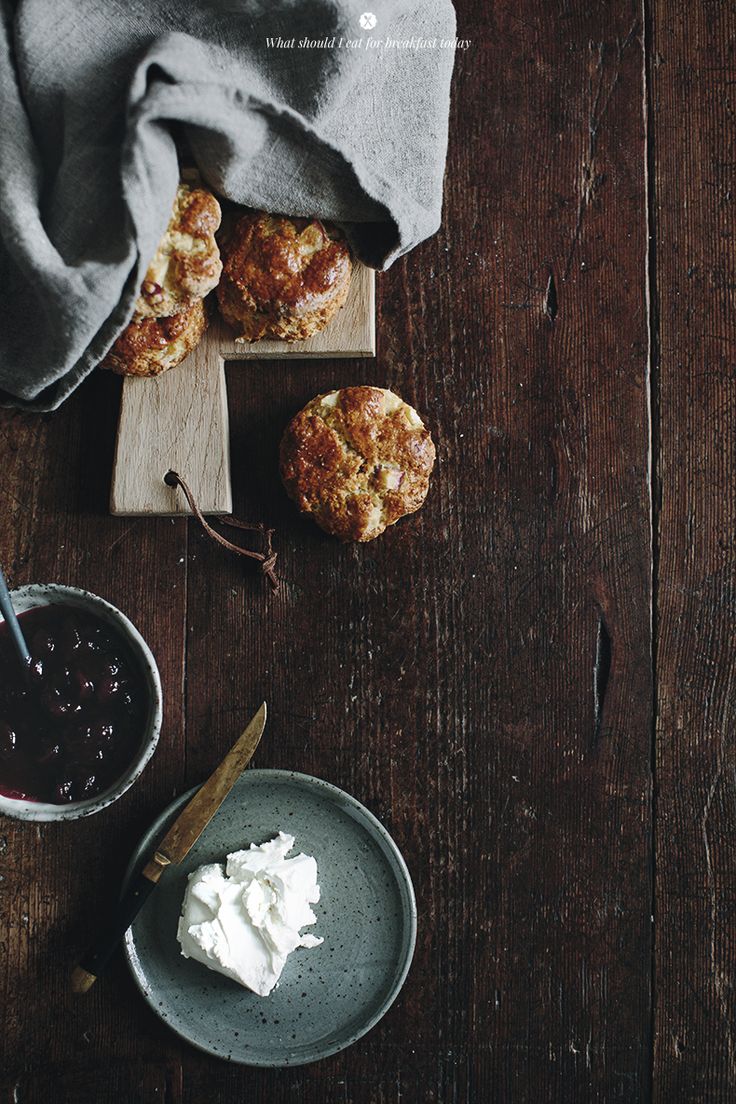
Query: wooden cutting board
(179,420)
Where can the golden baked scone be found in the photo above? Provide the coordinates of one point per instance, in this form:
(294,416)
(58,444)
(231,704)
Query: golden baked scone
(150,346)
(357,460)
(187,263)
(282,277)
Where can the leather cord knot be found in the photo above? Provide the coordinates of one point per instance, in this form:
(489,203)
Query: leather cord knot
(266,559)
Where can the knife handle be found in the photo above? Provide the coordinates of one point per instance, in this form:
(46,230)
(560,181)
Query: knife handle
(94,962)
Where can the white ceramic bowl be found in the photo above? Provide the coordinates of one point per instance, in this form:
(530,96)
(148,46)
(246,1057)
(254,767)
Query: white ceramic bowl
(45,594)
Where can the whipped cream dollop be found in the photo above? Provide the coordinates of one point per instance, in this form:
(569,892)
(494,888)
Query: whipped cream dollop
(243,919)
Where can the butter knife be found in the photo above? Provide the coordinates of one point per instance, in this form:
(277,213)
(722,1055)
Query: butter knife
(176,844)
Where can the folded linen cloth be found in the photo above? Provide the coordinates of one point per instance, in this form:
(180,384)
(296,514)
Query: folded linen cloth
(306,107)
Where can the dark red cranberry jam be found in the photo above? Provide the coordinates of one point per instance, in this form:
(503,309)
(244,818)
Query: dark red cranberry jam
(71,724)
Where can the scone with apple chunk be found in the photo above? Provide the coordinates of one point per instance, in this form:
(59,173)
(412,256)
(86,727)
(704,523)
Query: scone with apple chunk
(357,460)
(283,278)
(187,263)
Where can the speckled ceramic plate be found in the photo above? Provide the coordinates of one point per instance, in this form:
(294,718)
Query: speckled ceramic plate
(328,996)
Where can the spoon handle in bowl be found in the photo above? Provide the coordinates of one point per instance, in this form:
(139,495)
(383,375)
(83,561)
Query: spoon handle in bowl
(11,618)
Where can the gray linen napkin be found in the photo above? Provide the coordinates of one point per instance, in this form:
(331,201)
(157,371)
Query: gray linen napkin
(94,94)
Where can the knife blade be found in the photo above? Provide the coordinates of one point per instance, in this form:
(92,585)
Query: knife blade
(175,846)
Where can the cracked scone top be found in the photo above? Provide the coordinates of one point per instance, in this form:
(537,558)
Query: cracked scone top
(282,277)
(357,460)
(150,346)
(187,263)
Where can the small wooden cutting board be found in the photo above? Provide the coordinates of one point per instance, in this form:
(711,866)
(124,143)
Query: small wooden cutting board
(179,420)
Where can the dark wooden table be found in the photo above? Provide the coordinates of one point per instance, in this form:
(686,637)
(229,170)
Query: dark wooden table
(533,681)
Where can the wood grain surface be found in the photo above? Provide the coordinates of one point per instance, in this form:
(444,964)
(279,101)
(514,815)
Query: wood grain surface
(693,104)
(531,680)
(175,422)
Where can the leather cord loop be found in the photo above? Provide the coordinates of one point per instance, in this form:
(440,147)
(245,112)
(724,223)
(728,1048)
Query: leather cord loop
(266,559)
